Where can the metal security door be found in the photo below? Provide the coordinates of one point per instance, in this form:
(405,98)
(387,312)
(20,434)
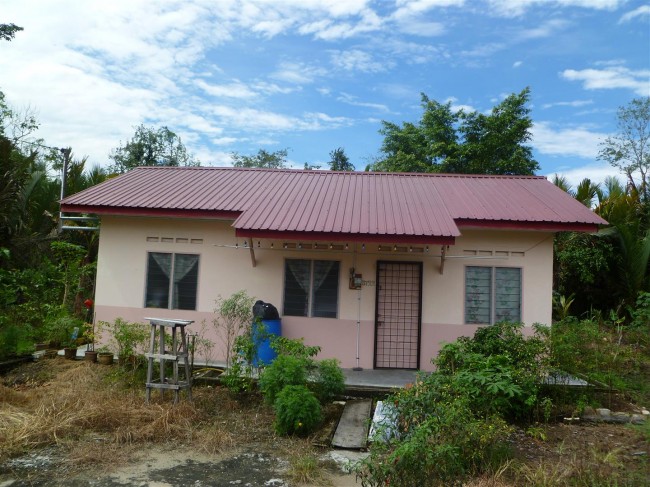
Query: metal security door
(398,315)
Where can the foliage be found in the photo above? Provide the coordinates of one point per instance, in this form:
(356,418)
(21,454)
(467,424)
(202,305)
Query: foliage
(629,149)
(498,370)
(328,380)
(297,411)
(151,146)
(440,443)
(285,370)
(127,338)
(263,159)
(8,31)
(451,141)
(233,317)
(294,347)
(339,161)
(238,377)
(605,350)
(62,329)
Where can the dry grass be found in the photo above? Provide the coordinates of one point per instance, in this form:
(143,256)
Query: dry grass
(96,419)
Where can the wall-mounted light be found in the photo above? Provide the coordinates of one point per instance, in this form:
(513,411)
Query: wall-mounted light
(426,249)
(284,246)
(410,248)
(331,246)
(236,245)
(379,248)
(271,244)
(395,248)
(346,247)
(363,247)
(299,245)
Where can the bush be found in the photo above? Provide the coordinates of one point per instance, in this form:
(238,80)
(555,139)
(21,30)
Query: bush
(498,370)
(329,380)
(297,411)
(443,446)
(285,370)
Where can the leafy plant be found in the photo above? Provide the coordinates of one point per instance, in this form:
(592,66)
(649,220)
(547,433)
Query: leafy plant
(328,380)
(233,318)
(284,371)
(128,338)
(297,411)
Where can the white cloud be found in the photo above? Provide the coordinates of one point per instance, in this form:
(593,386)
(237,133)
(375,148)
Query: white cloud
(610,78)
(576,141)
(357,60)
(231,90)
(595,172)
(297,73)
(513,8)
(545,29)
(456,107)
(642,11)
(517,64)
(574,103)
(352,100)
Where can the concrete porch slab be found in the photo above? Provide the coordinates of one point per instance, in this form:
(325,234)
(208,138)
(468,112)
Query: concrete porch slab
(380,380)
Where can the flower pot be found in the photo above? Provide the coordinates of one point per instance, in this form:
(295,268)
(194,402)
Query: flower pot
(70,353)
(90,356)
(105,358)
(51,353)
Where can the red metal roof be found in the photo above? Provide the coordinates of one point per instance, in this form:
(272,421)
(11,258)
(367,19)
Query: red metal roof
(326,204)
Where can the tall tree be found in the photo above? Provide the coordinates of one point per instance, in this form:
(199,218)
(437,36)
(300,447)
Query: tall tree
(629,149)
(8,31)
(445,140)
(151,146)
(263,159)
(339,161)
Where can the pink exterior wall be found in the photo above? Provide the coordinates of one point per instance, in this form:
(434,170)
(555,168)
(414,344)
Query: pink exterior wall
(124,243)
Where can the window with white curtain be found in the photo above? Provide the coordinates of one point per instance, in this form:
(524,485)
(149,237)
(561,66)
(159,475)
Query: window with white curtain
(492,294)
(172,280)
(311,288)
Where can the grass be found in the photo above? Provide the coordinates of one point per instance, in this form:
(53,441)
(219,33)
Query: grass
(83,405)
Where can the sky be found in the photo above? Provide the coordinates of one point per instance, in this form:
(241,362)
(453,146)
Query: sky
(312,76)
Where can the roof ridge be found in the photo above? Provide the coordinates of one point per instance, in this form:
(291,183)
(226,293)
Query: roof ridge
(351,173)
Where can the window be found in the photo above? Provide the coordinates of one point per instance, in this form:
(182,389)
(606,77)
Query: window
(311,288)
(492,294)
(172,280)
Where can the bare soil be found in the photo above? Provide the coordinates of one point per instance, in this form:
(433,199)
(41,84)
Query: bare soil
(221,441)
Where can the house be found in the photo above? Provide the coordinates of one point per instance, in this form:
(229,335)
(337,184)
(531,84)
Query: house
(379,269)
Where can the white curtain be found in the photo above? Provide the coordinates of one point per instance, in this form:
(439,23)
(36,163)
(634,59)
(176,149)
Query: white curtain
(301,271)
(183,265)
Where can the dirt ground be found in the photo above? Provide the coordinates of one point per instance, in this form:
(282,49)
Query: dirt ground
(51,435)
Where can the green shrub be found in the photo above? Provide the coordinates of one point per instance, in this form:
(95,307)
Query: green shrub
(285,370)
(328,380)
(443,446)
(498,370)
(294,347)
(297,411)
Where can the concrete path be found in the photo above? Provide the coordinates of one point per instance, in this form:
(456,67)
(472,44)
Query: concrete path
(352,431)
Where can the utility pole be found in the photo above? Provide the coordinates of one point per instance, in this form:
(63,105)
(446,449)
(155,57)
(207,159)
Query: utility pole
(64,177)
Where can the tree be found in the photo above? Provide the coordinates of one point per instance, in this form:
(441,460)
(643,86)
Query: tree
(8,31)
(263,159)
(445,140)
(339,161)
(151,147)
(629,149)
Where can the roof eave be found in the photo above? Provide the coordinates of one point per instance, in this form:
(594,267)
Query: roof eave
(528,225)
(150,212)
(349,237)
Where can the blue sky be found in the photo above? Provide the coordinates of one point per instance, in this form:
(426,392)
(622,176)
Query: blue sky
(312,76)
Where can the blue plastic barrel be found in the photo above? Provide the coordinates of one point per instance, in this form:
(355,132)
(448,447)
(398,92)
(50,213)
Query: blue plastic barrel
(265,354)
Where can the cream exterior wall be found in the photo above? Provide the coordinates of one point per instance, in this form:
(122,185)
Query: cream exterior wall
(122,264)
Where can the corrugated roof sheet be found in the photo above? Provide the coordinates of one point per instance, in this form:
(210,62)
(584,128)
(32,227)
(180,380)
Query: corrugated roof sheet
(326,202)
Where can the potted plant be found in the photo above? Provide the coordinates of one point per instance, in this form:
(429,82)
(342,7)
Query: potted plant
(104,356)
(89,337)
(129,339)
(62,331)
